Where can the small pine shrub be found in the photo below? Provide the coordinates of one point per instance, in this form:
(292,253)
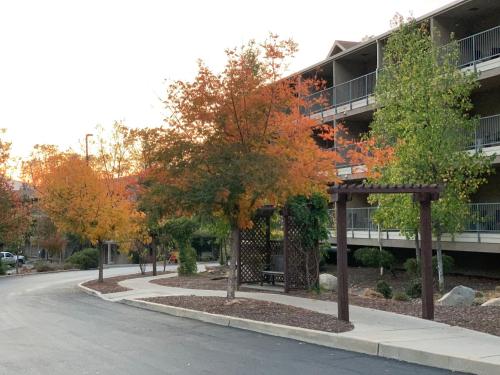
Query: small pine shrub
(401,296)
(412,266)
(375,258)
(384,288)
(85,259)
(187,261)
(414,288)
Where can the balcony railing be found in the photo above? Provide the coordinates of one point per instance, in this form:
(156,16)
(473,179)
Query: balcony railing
(479,47)
(487,133)
(483,217)
(360,88)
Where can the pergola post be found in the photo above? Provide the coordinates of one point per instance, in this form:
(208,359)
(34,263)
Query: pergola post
(424,194)
(426,254)
(342,280)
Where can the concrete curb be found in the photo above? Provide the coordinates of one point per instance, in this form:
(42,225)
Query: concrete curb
(328,339)
(391,350)
(90,291)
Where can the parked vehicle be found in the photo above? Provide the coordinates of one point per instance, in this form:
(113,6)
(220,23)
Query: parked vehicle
(9,258)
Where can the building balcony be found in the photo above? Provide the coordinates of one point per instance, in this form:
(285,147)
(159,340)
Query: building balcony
(478,50)
(344,97)
(486,139)
(482,225)
(487,133)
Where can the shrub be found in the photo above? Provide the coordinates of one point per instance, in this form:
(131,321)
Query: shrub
(412,266)
(3,268)
(400,296)
(374,257)
(187,261)
(448,264)
(85,259)
(414,288)
(384,288)
(42,266)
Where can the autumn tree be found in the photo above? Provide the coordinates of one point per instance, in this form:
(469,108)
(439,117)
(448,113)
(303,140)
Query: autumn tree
(239,139)
(423,116)
(80,200)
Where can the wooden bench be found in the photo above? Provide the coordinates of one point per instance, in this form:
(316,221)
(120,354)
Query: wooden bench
(274,270)
(272,276)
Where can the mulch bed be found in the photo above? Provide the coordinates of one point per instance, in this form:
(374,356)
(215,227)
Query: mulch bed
(110,284)
(479,318)
(263,311)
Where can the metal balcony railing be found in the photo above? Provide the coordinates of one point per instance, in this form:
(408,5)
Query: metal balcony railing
(487,133)
(483,217)
(357,89)
(479,47)
(345,153)
(360,88)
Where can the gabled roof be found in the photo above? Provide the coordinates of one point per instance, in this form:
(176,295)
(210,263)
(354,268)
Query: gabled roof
(340,46)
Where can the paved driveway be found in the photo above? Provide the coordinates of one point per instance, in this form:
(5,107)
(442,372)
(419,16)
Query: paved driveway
(48,326)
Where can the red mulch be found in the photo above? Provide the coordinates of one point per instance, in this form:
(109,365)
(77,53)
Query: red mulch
(258,310)
(479,318)
(110,284)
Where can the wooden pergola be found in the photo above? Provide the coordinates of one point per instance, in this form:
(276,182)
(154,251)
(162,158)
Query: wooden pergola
(424,194)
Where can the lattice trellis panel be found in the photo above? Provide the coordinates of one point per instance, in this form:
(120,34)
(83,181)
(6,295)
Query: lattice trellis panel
(254,251)
(302,271)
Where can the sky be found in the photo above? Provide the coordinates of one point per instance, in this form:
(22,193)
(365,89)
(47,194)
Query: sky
(68,66)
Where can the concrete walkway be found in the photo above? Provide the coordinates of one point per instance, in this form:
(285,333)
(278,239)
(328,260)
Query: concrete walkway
(398,336)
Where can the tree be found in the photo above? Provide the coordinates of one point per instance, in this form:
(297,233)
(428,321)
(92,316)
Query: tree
(240,139)
(182,230)
(423,115)
(15,207)
(49,237)
(81,200)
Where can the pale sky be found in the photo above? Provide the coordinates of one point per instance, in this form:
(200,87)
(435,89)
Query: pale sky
(67,66)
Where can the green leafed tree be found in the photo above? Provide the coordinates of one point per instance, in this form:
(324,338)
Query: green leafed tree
(424,116)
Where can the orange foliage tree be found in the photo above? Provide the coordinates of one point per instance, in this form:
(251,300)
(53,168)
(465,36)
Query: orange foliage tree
(240,139)
(81,200)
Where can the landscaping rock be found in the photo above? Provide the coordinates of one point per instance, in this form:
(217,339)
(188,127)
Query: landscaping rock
(492,302)
(458,296)
(327,281)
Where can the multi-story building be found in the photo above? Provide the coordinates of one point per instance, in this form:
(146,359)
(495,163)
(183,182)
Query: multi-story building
(350,72)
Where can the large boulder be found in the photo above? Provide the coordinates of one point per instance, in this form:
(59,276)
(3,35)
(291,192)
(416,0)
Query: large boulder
(327,281)
(492,302)
(458,296)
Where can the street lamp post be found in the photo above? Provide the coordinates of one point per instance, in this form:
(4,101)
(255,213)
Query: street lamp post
(87,146)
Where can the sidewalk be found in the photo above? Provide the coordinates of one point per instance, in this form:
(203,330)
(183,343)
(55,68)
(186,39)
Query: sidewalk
(393,335)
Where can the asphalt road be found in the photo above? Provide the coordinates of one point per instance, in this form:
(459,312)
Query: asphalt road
(49,327)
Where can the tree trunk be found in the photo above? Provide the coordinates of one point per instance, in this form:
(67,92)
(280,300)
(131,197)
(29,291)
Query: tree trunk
(164,251)
(417,246)
(440,263)
(221,252)
(101,262)
(380,247)
(235,249)
(153,245)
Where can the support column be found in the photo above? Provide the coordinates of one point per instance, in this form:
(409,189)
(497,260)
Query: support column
(426,256)
(342,279)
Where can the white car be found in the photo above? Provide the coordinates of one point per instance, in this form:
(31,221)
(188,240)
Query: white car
(9,258)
